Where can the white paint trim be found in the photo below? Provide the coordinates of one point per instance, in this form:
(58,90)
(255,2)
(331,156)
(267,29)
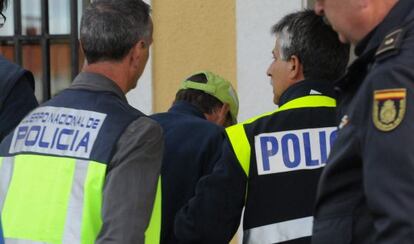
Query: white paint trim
(141,97)
(254,52)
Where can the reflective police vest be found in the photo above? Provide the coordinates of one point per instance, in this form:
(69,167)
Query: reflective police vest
(53,168)
(282,154)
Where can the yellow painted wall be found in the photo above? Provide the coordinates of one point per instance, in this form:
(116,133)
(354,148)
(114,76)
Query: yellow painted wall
(191,35)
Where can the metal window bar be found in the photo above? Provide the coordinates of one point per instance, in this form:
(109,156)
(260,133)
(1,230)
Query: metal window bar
(74,38)
(17,31)
(44,40)
(45,44)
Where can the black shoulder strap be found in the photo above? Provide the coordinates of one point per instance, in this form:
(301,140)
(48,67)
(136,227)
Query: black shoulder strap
(10,73)
(392,42)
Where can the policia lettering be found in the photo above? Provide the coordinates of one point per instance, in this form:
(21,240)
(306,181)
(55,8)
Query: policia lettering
(293,150)
(286,150)
(59,131)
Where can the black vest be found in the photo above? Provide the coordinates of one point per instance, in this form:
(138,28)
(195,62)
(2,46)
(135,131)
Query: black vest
(288,150)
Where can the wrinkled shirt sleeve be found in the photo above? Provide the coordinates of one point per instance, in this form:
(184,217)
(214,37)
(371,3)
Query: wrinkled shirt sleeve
(131,183)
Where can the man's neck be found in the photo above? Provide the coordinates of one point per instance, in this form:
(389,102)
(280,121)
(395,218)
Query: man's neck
(112,70)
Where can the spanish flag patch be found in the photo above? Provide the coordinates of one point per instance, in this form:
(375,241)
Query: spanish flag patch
(389,108)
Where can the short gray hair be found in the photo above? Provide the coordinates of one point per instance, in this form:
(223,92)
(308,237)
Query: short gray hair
(285,41)
(110,28)
(305,35)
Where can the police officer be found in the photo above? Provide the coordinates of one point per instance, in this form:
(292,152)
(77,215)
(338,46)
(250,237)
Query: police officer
(16,90)
(194,133)
(271,164)
(366,192)
(83,167)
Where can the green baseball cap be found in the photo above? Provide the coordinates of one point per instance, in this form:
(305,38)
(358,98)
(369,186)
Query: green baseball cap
(218,87)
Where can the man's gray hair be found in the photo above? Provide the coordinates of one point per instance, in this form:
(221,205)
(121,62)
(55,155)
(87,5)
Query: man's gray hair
(305,35)
(285,41)
(110,28)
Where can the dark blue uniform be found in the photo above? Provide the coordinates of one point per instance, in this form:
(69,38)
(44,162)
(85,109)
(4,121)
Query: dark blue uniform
(16,95)
(366,192)
(192,146)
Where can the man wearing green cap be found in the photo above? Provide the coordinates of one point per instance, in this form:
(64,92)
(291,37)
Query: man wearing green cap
(193,130)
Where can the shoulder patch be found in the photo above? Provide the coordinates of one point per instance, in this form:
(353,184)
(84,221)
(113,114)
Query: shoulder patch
(389,108)
(391,42)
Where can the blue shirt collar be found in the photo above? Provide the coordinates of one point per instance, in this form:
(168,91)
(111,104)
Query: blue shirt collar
(186,108)
(305,88)
(395,19)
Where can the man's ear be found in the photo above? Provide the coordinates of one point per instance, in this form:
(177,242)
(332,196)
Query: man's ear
(142,44)
(295,68)
(136,52)
(219,115)
(222,114)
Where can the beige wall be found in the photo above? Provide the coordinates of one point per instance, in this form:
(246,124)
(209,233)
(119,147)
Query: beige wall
(190,36)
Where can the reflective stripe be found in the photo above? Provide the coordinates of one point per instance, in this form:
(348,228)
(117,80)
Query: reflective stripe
(92,205)
(38,196)
(241,146)
(6,171)
(279,232)
(63,203)
(309,102)
(20,241)
(73,225)
(153,231)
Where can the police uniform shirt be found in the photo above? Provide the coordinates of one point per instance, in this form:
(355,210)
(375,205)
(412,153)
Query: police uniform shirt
(366,193)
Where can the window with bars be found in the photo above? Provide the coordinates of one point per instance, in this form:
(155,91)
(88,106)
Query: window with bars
(42,36)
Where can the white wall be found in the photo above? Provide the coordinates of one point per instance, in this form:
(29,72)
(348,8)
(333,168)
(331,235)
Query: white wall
(141,96)
(254,51)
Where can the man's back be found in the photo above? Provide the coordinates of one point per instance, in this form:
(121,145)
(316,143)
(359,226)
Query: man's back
(71,160)
(289,149)
(192,146)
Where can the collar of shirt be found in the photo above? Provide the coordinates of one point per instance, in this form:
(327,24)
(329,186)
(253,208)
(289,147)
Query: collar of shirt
(183,107)
(307,87)
(394,19)
(97,82)
(365,50)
